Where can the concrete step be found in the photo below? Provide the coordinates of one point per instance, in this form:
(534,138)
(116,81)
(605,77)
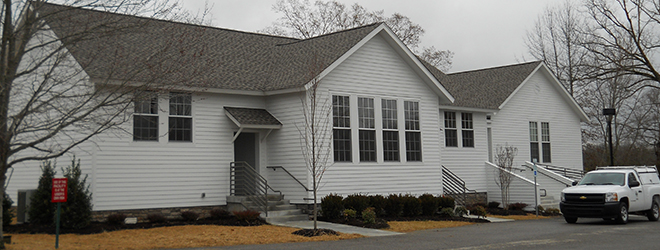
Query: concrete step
(270,203)
(270,197)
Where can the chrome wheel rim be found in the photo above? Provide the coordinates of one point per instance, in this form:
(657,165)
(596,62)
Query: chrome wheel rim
(656,210)
(624,213)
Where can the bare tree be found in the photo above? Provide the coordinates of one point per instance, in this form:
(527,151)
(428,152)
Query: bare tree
(303,19)
(51,103)
(624,39)
(504,156)
(556,39)
(315,132)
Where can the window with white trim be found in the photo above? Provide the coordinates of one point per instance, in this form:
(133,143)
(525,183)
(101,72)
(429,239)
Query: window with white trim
(390,130)
(534,141)
(467,130)
(451,134)
(180,119)
(413,132)
(545,142)
(145,118)
(341,131)
(367,129)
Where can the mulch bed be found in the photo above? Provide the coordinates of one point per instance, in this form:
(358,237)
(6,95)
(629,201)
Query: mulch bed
(98,227)
(315,232)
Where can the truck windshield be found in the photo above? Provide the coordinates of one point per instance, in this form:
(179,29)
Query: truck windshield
(603,179)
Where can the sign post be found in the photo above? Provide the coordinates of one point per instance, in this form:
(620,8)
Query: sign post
(536,201)
(58,195)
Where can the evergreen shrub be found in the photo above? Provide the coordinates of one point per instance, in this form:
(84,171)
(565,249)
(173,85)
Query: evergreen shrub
(332,206)
(247,215)
(411,206)
(446,201)
(77,211)
(447,212)
(220,214)
(394,205)
(369,216)
(349,214)
(429,204)
(41,210)
(7,215)
(378,202)
(116,219)
(493,205)
(357,202)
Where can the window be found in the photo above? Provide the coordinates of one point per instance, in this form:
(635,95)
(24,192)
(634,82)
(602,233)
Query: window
(545,141)
(451,135)
(341,132)
(367,132)
(413,133)
(145,119)
(180,120)
(390,132)
(467,131)
(534,141)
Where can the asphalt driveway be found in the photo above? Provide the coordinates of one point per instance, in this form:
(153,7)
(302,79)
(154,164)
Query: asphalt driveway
(554,233)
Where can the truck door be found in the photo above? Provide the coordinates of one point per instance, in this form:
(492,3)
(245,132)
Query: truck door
(637,196)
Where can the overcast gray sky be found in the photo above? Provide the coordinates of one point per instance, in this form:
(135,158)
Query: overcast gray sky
(481,33)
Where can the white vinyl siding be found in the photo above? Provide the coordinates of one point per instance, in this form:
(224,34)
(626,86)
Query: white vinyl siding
(377,64)
(540,101)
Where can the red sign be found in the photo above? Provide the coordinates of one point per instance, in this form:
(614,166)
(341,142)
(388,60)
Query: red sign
(59,190)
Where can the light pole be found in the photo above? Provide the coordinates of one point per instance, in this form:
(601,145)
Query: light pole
(609,113)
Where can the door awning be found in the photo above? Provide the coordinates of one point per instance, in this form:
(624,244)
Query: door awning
(251,118)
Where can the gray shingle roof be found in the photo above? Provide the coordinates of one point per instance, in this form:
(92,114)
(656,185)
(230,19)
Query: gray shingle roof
(252,116)
(122,47)
(484,88)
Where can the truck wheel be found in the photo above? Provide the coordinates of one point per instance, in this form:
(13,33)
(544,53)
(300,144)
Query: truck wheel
(570,220)
(654,213)
(623,213)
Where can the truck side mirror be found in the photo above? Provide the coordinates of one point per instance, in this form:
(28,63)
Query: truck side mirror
(633,183)
(574,183)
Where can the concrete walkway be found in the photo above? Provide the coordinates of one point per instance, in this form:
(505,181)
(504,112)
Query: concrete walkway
(491,219)
(308,224)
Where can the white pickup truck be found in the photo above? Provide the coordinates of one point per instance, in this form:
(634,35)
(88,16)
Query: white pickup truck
(613,193)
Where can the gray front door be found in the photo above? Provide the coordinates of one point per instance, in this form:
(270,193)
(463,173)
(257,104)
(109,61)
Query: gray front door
(245,150)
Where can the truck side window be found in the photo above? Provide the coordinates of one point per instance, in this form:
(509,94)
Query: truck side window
(631,178)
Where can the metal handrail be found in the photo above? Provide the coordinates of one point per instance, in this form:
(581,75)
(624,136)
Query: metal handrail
(566,172)
(456,186)
(274,168)
(256,191)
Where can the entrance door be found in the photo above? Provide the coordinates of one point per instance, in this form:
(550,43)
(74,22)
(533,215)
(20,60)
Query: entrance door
(245,150)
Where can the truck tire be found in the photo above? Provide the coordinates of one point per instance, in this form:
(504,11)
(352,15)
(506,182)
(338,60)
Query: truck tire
(622,218)
(570,220)
(654,213)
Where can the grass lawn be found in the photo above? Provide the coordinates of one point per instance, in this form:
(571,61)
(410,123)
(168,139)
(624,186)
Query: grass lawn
(197,236)
(169,237)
